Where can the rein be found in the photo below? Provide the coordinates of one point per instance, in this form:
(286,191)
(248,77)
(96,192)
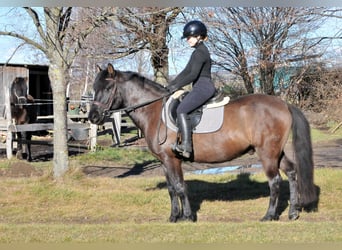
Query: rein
(106,107)
(107,111)
(134,107)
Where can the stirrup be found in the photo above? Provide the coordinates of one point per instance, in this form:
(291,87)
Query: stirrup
(180,151)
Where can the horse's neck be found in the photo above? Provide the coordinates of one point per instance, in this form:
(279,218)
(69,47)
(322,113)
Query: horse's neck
(144,117)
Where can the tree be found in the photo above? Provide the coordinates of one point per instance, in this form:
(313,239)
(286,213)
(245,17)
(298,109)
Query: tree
(256,41)
(60,37)
(147,28)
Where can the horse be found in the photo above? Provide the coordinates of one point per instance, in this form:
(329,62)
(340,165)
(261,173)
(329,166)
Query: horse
(252,123)
(23,112)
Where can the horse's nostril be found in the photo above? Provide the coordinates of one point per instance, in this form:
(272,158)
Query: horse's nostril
(94,117)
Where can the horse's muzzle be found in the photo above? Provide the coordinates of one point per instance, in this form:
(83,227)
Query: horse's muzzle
(96,117)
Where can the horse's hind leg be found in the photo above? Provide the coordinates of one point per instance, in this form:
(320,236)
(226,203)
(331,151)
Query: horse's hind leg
(272,213)
(271,168)
(288,167)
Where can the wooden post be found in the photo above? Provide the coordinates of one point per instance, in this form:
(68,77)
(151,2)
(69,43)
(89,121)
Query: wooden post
(9,139)
(93,137)
(117,126)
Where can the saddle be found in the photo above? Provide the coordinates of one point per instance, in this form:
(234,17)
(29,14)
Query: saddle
(207,118)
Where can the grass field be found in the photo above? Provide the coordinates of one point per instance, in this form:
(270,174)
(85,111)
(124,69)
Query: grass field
(135,209)
(83,209)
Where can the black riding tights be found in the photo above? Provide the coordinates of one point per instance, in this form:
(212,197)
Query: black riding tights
(201,92)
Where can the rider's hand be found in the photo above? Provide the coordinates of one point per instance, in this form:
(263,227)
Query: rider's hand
(171,88)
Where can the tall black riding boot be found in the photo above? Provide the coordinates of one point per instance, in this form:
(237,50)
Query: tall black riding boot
(184,125)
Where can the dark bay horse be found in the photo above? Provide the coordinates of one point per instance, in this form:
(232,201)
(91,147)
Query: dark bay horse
(23,112)
(259,123)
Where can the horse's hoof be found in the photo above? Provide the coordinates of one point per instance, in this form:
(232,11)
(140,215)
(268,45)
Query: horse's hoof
(19,155)
(294,216)
(173,219)
(191,217)
(270,217)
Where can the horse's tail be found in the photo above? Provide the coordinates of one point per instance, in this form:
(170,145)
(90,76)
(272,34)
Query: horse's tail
(301,141)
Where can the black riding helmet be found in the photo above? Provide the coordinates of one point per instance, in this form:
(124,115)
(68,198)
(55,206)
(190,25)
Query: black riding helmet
(194,28)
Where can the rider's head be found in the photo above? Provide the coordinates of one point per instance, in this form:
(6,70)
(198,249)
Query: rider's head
(195,28)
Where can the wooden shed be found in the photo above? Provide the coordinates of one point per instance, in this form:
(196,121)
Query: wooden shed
(39,85)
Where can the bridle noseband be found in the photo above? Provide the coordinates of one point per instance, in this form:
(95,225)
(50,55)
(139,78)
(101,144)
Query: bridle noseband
(21,97)
(106,106)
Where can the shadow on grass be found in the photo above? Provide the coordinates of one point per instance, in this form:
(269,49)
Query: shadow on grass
(242,188)
(121,171)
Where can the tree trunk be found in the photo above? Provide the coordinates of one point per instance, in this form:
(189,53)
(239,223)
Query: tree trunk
(60,154)
(159,49)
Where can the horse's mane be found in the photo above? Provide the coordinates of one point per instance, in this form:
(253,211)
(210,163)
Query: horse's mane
(142,80)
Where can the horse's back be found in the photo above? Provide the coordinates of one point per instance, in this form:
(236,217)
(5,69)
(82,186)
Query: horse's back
(259,116)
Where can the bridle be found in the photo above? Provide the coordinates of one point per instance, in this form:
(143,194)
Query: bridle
(22,97)
(107,111)
(106,106)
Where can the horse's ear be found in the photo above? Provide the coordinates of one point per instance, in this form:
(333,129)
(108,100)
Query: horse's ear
(98,68)
(111,70)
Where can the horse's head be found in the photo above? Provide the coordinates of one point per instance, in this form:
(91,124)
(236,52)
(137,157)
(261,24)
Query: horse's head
(19,91)
(106,96)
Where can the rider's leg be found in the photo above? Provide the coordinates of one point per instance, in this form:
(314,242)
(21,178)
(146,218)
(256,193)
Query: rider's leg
(184,125)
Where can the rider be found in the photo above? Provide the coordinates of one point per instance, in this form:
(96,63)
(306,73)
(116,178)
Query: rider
(198,72)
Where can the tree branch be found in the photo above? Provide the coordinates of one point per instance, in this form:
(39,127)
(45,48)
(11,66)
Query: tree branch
(35,18)
(23,38)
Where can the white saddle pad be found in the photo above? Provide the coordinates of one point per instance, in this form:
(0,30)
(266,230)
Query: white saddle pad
(211,121)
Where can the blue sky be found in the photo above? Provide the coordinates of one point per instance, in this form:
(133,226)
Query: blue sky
(26,54)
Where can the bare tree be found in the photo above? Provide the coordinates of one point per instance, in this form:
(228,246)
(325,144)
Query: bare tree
(60,38)
(146,28)
(252,42)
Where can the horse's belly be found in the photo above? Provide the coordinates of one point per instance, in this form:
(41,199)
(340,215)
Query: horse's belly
(216,153)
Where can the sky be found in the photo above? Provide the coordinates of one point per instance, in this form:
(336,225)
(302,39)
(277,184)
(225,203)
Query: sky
(27,55)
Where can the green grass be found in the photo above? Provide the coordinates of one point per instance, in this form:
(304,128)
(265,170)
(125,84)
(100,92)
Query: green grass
(119,155)
(134,210)
(322,135)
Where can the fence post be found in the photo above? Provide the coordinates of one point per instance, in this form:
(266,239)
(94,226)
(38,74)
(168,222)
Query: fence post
(93,137)
(8,115)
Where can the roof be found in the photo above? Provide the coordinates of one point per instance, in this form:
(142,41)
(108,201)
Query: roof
(29,66)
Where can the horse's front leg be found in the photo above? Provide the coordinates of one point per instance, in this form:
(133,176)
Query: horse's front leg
(175,208)
(19,153)
(28,144)
(177,190)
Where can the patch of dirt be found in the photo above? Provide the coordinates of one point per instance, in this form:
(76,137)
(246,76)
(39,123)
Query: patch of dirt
(20,169)
(326,154)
